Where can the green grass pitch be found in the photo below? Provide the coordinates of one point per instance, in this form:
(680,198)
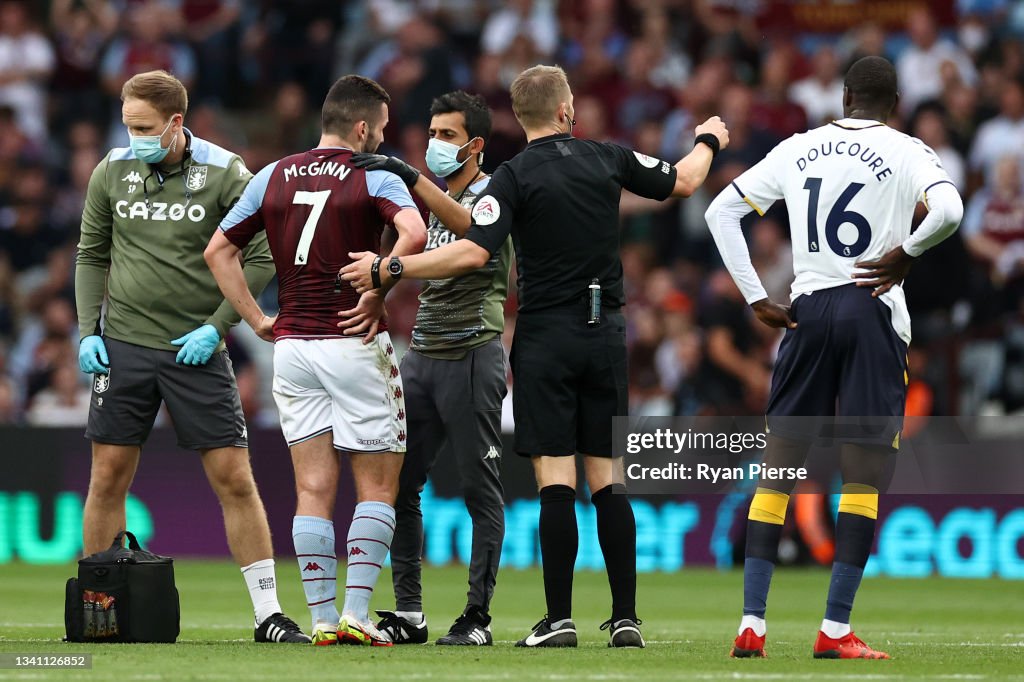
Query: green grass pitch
(934,629)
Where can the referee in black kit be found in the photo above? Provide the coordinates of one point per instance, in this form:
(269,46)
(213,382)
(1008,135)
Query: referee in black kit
(559,200)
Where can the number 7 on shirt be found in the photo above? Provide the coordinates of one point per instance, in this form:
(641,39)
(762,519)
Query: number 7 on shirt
(317,200)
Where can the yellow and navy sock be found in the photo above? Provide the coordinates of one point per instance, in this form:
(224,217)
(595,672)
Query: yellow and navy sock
(764,529)
(855,533)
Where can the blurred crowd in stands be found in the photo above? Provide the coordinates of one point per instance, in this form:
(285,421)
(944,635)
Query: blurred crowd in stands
(644,73)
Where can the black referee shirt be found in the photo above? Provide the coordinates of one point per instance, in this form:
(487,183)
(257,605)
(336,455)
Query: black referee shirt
(559,198)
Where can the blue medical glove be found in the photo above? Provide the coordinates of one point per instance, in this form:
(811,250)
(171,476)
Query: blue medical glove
(197,346)
(92,356)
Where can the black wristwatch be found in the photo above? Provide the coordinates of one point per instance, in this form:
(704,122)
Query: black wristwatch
(395,268)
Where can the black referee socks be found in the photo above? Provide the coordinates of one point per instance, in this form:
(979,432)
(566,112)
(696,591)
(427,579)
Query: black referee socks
(559,542)
(616,530)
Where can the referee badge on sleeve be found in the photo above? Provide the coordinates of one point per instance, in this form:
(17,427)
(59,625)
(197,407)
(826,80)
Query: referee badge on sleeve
(486,211)
(646,161)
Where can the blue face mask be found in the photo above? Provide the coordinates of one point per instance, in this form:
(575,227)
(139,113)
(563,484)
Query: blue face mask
(442,157)
(148,148)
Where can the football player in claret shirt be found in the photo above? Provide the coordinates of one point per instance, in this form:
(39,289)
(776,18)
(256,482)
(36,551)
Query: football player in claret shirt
(334,390)
(850,188)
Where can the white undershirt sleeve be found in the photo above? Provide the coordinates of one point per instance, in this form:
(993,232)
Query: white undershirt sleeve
(945,210)
(723,217)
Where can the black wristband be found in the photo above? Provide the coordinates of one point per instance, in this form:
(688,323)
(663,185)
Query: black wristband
(375,272)
(710,140)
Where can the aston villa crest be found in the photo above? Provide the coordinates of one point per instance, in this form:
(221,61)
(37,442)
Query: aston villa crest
(101,383)
(196,179)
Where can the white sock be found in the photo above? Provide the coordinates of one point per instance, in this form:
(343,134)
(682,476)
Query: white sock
(414,617)
(833,629)
(259,577)
(318,565)
(369,539)
(758,625)
(559,623)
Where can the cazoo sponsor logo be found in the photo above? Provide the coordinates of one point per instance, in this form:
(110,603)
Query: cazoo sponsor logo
(160,211)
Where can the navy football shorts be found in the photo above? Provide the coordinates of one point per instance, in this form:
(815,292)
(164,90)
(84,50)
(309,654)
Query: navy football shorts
(843,360)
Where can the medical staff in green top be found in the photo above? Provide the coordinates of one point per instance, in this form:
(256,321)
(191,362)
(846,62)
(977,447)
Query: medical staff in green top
(149,212)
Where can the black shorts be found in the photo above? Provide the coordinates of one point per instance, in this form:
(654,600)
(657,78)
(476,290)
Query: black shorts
(203,401)
(844,360)
(569,382)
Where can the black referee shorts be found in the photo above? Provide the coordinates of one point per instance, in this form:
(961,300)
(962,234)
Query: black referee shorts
(844,359)
(570,381)
(203,401)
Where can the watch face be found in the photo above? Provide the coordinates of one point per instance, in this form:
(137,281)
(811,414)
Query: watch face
(395,267)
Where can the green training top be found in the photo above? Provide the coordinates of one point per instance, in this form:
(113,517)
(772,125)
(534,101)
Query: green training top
(148,228)
(460,313)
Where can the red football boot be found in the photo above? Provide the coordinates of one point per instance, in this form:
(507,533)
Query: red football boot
(748,645)
(848,646)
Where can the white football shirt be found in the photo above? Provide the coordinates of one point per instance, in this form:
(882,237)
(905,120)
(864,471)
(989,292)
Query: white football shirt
(850,189)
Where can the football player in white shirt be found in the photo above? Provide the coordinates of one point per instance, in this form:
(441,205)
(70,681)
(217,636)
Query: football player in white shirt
(850,188)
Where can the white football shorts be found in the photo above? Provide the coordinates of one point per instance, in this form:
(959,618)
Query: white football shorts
(340,385)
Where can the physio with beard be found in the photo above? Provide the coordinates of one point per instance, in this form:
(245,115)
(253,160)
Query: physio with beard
(454,377)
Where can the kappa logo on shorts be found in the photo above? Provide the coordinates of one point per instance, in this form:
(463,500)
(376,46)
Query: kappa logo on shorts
(398,392)
(401,414)
(394,371)
(492,453)
(101,383)
(401,436)
(486,211)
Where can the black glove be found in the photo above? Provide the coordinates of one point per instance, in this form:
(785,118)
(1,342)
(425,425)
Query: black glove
(392,164)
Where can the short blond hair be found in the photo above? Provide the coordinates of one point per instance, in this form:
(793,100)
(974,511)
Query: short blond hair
(536,94)
(158,88)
